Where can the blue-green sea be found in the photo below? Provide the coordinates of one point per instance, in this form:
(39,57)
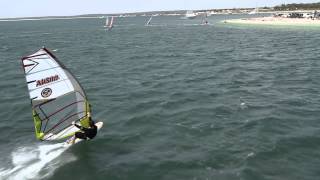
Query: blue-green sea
(179,100)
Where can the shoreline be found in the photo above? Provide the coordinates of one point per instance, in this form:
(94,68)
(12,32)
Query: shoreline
(275,21)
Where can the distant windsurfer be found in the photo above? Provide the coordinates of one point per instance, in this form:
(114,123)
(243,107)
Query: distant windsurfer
(85,133)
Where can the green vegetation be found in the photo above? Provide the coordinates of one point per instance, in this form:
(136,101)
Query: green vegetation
(292,7)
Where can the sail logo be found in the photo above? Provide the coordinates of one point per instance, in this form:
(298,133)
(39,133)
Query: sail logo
(46,92)
(47,80)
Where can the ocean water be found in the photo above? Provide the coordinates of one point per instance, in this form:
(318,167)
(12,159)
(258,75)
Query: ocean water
(179,100)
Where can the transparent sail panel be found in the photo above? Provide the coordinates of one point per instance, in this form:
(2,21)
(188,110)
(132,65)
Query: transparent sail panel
(56,115)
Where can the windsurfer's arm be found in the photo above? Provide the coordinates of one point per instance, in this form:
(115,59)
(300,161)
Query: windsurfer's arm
(89,115)
(76,125)
(89,110)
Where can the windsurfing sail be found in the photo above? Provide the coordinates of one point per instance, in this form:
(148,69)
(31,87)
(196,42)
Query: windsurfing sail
(57,98)
(111,23)
(204,20)
(107,22)
(149,21)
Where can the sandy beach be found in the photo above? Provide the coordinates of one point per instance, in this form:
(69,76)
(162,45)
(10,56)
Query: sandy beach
(277,21)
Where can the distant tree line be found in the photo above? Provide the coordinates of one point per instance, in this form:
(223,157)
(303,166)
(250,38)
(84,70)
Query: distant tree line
(294,6)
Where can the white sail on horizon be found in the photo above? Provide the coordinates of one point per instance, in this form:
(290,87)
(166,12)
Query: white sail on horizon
(109,23)
(149,21)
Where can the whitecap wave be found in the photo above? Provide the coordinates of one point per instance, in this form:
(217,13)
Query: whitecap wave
(36,162)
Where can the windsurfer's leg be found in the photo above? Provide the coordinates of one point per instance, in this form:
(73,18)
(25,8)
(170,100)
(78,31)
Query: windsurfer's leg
(73,139)
(79,135)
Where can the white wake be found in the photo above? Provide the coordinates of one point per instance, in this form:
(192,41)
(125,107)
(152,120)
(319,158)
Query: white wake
(36,162)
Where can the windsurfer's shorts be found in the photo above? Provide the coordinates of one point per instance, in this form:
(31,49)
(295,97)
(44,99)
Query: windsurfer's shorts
(81,135)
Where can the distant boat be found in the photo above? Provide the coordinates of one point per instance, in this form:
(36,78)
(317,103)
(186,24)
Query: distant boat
(190,15)
(149,21)
(255,11)
(109,23)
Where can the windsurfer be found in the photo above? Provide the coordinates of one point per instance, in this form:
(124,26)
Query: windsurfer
(85,133)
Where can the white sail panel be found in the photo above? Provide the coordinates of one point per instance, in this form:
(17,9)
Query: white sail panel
(51,91)
(55,79)
(107,21)
(111,23)
(38,64)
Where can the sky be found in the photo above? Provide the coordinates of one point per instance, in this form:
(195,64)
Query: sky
(34,8)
